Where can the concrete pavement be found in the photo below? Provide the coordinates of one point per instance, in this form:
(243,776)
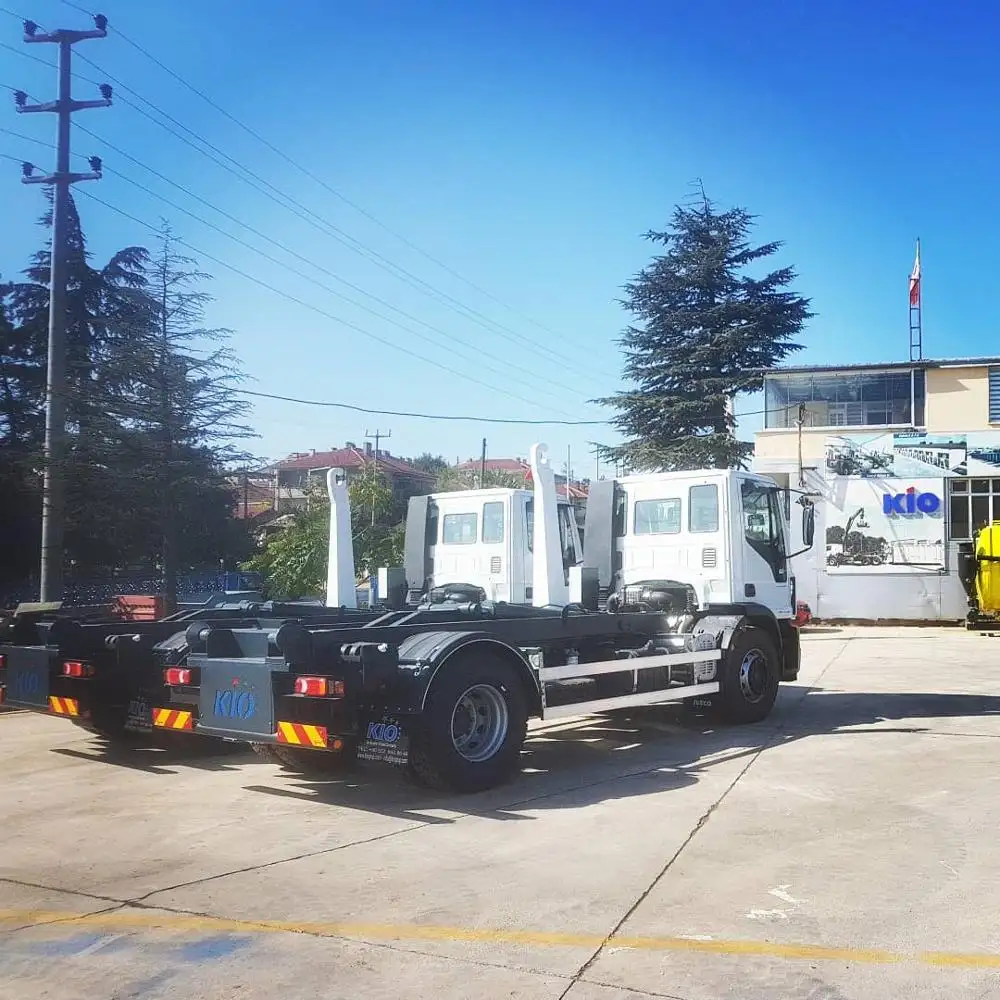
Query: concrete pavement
(843,849)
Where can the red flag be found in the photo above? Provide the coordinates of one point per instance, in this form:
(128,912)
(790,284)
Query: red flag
(915,280)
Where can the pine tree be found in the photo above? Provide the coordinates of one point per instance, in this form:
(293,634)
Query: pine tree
(182,384)
(704,331)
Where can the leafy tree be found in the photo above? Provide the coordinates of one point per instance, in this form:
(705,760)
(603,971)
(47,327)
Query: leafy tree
(452,479)
(703,331)
(435,464)
(378,535)
(293,562)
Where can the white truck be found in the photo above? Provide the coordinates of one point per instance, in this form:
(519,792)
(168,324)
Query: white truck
(699,600)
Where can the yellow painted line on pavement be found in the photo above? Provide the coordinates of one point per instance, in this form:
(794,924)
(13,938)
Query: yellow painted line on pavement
(183,923)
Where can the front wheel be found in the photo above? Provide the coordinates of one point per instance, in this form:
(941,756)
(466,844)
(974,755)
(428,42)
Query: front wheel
(750,671)
(473,726)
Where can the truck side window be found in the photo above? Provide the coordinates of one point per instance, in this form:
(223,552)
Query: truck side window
(492,522)
(762,525)
(460,529)
(703,508)
(658,517)
(432,524)
(529,521)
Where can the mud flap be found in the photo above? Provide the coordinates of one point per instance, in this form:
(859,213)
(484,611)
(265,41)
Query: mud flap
(385,741)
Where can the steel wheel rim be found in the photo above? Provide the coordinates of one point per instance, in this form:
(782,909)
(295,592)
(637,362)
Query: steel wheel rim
(753,676)
(479,723)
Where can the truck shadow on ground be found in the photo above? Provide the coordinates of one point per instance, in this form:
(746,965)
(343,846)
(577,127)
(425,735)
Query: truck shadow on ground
(643,752)
(163,754)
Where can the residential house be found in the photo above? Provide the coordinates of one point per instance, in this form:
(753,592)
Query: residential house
(293,475)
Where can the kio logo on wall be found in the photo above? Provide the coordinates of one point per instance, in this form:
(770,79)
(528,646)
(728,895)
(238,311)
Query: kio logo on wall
(909,503)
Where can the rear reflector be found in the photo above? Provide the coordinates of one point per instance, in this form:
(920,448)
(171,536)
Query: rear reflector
(64,706)
(318,687)
(76,668)
(173,718)
(298,734)
(177,675)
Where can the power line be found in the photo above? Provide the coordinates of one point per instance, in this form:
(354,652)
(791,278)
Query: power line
(28,55)
(422,416)
(439,416)
(325,227)
(312,176)
(334,231)
(20,17)
(451,340)
(311,307)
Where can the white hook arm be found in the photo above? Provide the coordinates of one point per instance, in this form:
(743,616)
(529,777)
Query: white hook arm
(340,578)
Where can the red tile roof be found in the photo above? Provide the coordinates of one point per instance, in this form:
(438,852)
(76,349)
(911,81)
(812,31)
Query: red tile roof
(519,467)
(352,458)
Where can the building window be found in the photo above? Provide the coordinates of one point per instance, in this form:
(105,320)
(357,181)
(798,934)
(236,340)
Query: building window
(995,395)
(492,523)
(845,399)
(974,503)
(703,508)
(459,529)
(657,517)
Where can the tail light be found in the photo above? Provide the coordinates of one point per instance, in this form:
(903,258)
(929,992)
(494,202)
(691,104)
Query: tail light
(318,687)
(177,676)
(76,668)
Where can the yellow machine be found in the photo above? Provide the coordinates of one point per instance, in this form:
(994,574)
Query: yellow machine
(982,579)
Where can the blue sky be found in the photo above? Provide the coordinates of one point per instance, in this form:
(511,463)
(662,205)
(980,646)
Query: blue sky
(527,146)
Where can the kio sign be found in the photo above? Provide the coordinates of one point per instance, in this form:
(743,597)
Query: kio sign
(911,502)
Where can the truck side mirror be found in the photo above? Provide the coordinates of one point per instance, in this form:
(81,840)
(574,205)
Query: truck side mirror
(808,524)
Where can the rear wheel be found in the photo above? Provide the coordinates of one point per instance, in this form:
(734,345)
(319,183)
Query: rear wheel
(750,671)
(473,726)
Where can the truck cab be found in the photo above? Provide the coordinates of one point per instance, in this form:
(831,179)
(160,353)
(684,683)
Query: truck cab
(480,539)
(708,538)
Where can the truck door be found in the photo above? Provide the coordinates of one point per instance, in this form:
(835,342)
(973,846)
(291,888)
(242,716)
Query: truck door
(764,547)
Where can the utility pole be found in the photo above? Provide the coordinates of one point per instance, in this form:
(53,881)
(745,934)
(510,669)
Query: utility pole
(54,485)
(482,467)
(378,435)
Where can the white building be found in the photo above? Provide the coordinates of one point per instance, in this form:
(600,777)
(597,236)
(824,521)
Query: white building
(904,461)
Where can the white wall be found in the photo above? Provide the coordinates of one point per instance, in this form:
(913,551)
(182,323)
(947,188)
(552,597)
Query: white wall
(906,594)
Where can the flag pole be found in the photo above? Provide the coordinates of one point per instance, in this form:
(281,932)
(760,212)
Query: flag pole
(916,310)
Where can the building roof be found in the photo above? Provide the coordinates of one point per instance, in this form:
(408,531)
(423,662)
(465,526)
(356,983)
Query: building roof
(886,365)
(519,467)
(351,458)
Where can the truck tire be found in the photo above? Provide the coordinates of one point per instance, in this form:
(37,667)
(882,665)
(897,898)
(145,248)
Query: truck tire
(473,726)
(316,763)
(750,670)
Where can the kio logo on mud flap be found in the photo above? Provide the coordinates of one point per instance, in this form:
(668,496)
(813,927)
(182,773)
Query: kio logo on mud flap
(383,732)
(909,503)
(234,704)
